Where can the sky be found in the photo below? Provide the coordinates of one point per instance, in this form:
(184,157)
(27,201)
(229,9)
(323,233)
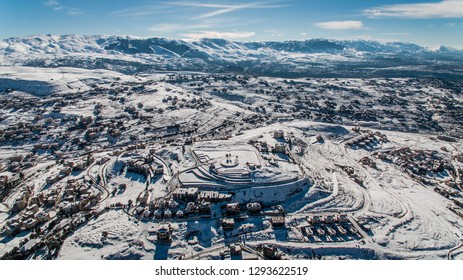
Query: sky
(425,22)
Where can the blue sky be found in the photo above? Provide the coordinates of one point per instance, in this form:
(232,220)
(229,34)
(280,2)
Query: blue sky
(425,22)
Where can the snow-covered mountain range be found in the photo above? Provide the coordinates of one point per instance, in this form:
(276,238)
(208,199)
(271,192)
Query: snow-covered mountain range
(314,57)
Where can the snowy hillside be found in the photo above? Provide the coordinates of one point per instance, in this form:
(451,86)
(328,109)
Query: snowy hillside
(315,57)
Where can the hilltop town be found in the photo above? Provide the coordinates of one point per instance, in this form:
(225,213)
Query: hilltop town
(95,164)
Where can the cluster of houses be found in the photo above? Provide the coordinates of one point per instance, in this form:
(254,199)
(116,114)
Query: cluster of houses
(22,199)
(270,251)
(22,131)
(170,209)
(418,162)
(327,227)
(194,194)
(28,220)
(367,139)
(328,219)
(30,212)
(18,163)
(77,197)
(280,147)
(34,209)
(191,103)
(351,173)
(139,167)
(58,175)
(80,164)
(368,162)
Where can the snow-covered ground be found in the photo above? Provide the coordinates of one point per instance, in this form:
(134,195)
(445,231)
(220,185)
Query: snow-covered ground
(180,125)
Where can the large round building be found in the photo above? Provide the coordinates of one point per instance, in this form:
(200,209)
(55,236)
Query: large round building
(251,172)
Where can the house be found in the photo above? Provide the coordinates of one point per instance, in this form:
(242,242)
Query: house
(254,207)
(143,199)
(158,214)
(314,219)
(278,221)
(270,251)
(232,209)
(189,194)
(179,214)
(172,204)
(20,203)
(192,194)
(168,214)
(280,148)
(42,217)
(164,233)
(342,218)
(30,245)
(37,199)
(228,224)
(159,170)
(204,207)
(235,249)
(278,134)
(29,223)
(329,219)
(213,196)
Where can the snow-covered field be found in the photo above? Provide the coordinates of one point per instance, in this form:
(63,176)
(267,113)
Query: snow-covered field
(68,134)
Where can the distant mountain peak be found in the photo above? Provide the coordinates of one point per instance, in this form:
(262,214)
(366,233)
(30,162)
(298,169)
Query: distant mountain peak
(317,56)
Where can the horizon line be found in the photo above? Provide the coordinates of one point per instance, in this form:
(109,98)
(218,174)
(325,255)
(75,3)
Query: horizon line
(237,40)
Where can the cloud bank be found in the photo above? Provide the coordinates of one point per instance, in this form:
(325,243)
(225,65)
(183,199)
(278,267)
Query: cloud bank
(218,35)
(442,9)
(340,25)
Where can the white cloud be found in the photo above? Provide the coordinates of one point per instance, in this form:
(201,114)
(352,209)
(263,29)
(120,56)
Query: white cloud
(276,32)
(224,8)
(56,6)
(340,25)
(172,27)
(442,9)
(397,34)
(51,3)
(74,12)
(219,35)
(145,10)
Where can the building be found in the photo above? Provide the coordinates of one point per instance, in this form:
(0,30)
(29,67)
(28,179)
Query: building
(278,134)
(254,207)
(158,214)
(139,167)
(190,207)
(235,249)
(143,199)
(164,233)
(204,207)
(159,170)
(342,218)
(280,148)
(270,251)
(37,199)
(228,224)
(278,221)
(168,214)
(314,219)
(179,214)
(213,196)
(20,203)
(232,209)
(329,219)
(172,204)
(185,194)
